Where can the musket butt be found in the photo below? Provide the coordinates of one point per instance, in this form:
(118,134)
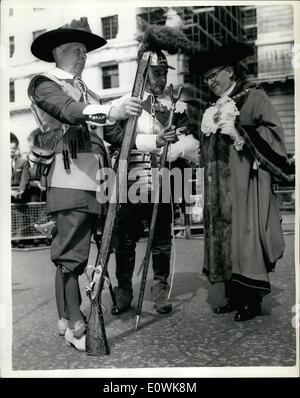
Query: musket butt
(137,320)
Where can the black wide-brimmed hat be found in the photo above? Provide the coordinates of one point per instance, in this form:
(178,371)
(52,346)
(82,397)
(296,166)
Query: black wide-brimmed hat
(78,31)
(228,54)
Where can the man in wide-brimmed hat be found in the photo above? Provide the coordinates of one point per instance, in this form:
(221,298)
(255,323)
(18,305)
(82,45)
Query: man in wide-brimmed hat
(70,117)
(151,136)
(242,150)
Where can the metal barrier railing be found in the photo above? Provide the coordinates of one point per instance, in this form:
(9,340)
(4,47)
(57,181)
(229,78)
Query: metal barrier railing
(285,197)
(24,217)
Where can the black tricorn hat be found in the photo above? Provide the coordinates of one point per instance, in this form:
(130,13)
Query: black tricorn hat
(78,31)
(228,54)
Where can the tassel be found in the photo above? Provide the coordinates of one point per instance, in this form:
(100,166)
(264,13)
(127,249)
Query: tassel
(46,170)
(39,170)
(73,149)
(65,154)
(86,134)
(80,140)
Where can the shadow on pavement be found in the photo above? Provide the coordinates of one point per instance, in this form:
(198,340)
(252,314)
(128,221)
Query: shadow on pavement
(184,289)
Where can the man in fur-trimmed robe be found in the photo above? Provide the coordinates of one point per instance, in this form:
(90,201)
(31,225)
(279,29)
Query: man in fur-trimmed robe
(242,152)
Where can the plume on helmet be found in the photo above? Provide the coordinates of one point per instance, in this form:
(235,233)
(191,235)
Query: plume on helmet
(161,37)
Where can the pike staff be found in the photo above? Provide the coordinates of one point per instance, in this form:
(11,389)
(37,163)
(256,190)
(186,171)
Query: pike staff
(146,260)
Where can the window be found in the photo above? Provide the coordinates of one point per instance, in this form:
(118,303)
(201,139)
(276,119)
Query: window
(11,91)
(11,46)
(11,12)
(251,34)
(37,33)
(110,27)
(110,76)
(249,17)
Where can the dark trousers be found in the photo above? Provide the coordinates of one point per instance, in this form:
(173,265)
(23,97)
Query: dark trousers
(239,295)
(127,233)
(70,252)
(72,239)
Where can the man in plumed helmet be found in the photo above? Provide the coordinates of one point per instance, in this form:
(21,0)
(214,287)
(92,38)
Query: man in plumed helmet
(151,135)
(243,152)
(73,122)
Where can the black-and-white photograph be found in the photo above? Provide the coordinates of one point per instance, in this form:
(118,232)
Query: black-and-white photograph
(152,155)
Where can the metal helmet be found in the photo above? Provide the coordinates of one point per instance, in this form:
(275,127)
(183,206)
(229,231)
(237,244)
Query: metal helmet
(158,58)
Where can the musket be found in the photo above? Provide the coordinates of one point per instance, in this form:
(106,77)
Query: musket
(110,286)
(187,219)
(96,340)
(146,259)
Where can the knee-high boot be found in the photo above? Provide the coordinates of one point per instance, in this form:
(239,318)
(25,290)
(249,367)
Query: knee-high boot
(125,262)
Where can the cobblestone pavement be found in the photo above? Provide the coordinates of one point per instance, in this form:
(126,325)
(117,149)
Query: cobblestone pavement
(191,336)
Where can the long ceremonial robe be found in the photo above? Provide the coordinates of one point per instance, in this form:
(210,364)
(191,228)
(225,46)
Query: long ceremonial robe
(242,223)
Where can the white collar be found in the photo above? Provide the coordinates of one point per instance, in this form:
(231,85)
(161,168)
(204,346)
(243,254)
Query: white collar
(229,91)
(61,74)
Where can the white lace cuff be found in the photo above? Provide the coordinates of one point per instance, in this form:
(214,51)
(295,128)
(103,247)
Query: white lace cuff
(146,142)
(96,112)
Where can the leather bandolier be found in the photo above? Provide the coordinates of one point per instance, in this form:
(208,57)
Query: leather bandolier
(142,163)
(73,167)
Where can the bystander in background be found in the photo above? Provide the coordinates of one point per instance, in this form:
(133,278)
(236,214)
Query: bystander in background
(19,172)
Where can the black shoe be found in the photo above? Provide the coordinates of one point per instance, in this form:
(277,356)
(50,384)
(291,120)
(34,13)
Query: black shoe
(247,312)
(123,298)
(224,309)
(160,296)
